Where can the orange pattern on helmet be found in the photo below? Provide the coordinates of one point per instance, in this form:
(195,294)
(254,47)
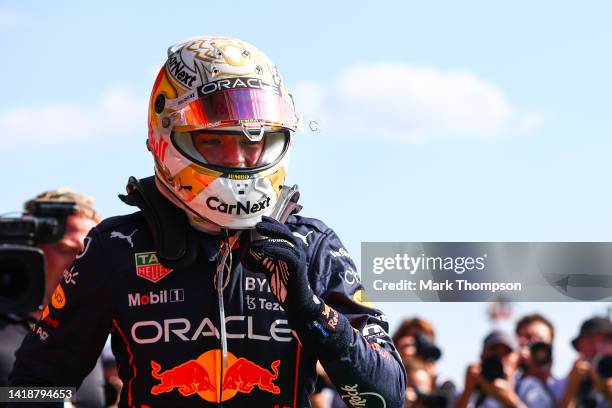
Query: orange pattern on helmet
(190,181)
(277,179)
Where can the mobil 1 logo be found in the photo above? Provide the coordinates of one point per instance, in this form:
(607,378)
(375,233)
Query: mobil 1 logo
(156,297)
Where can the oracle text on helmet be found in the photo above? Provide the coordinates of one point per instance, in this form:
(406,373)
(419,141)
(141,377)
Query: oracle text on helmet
(233,83)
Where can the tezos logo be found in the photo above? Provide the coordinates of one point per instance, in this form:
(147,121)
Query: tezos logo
(217,205)
(152,298)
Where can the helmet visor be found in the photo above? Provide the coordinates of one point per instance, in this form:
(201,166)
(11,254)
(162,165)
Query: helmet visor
(248,107)
(223,150)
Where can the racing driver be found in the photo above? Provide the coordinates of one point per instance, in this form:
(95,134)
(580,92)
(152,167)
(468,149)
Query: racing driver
(209,298)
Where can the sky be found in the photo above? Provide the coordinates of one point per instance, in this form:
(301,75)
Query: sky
(438,121)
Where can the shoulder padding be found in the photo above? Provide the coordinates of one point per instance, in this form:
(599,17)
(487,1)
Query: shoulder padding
(112,223)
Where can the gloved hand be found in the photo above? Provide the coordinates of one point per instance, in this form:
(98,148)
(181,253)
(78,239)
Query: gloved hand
(281,256)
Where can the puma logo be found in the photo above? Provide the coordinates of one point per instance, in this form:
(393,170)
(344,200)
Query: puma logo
(128,238)
(302,237)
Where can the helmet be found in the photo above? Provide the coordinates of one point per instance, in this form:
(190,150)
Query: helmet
(227,87)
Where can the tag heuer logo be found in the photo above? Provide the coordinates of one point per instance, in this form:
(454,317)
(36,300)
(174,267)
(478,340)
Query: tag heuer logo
(148,266)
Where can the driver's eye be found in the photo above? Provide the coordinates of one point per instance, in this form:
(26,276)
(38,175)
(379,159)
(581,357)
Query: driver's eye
(208,142)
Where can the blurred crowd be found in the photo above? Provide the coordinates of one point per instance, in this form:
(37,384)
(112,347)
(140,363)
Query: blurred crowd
(514,369)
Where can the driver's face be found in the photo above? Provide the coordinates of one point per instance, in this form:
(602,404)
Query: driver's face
(235,151)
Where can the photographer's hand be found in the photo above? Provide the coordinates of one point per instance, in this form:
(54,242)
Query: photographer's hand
(580,371)
(503,391)
(473,377)
(472,380)
(602,385)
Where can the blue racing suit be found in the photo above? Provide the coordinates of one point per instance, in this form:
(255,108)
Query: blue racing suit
(166,330)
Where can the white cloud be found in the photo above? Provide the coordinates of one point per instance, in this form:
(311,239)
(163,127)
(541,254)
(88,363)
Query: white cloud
(408,103)
(117,112)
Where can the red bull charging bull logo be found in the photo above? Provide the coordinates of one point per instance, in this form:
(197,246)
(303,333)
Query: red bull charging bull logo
(201,376)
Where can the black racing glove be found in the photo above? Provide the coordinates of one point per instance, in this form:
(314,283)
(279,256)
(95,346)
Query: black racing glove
(282,257)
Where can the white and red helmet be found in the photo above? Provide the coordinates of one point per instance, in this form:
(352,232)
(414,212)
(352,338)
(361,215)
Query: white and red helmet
(229,86)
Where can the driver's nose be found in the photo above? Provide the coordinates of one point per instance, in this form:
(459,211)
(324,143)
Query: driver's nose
(232,154)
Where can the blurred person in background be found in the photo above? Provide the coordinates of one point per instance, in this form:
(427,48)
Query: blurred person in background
(589,383)
(58,257)
(536,385)
(414,340)
(491,382)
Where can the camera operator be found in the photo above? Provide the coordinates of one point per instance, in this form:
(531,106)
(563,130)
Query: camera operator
(491,383)
(536,386)
(414,341)
(589,383)
(58,257)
